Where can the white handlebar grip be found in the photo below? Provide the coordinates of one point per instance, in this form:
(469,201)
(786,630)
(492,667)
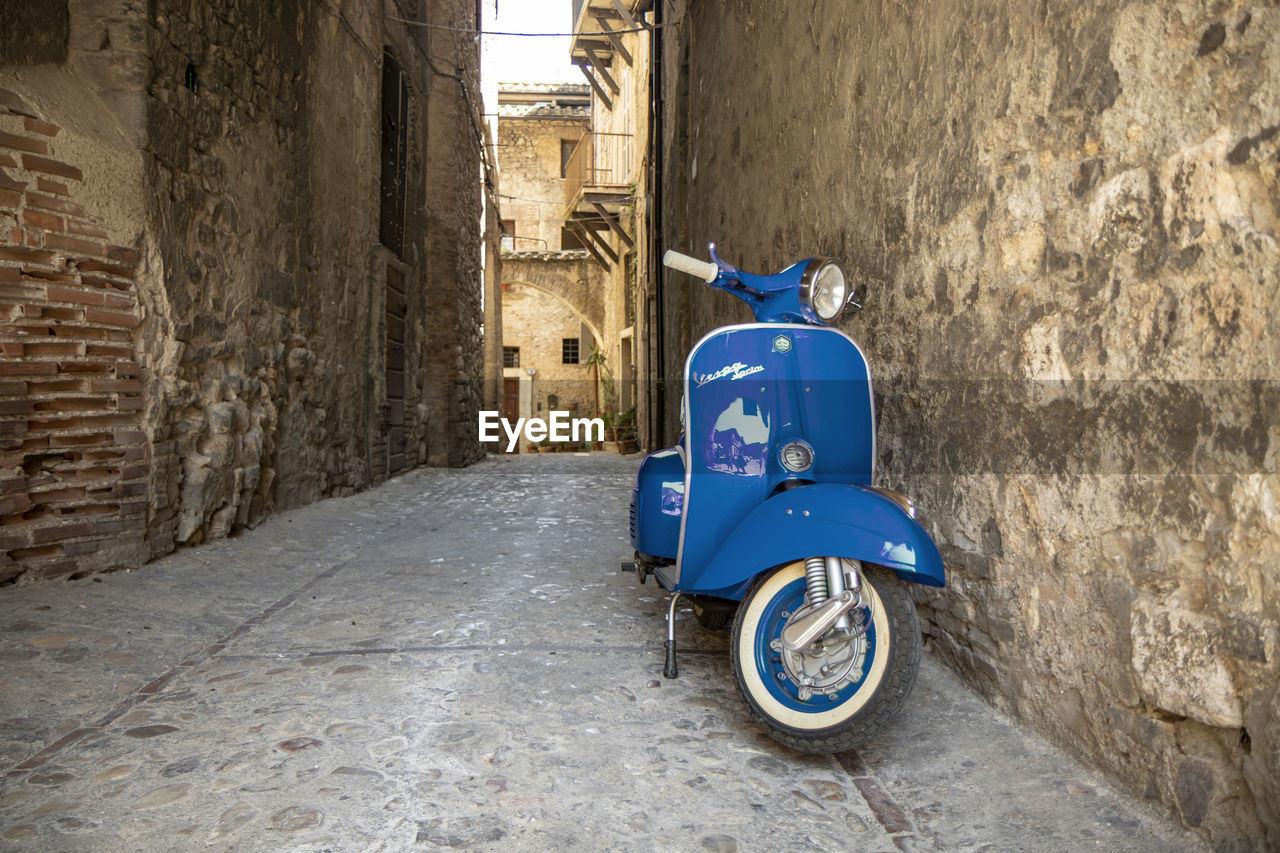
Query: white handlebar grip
(704,270)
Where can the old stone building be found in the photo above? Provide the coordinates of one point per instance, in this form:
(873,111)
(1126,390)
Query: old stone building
(552,311)
(609,178)
(1066,215)
(239,263)
(491,397)
(575,201)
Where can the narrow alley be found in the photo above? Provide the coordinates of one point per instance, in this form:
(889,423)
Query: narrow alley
(267,269)
(451,660)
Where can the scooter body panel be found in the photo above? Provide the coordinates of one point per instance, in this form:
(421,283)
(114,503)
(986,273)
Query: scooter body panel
(750,391)
(832,520)
(657,502)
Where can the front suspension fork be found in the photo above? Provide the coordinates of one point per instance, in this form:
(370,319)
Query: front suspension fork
(825,577)
(827,581)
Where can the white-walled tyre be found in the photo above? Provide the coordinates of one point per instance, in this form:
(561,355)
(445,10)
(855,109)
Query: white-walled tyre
(854,689)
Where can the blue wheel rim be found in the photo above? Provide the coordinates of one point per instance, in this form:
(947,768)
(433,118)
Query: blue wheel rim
(769,662)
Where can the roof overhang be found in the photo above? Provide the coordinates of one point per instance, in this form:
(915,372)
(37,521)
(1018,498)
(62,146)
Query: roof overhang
(598,28)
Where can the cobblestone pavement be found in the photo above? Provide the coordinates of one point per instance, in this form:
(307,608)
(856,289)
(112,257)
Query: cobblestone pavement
(452,661)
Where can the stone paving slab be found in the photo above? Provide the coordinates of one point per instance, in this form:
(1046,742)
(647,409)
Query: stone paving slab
(450,662)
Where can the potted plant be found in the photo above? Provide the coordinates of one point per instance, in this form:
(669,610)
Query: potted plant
(595,361)
(625,431)
(610,418)
(602,377)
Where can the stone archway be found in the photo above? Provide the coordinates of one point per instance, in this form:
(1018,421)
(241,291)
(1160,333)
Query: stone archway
(564,275)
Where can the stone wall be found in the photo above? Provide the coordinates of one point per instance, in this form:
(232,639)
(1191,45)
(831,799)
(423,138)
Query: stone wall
(233,395)
(1066,214)
(577,283)
(532,187)
(453,366)
(537,322)
(547,297)
(492,283)
(231,161)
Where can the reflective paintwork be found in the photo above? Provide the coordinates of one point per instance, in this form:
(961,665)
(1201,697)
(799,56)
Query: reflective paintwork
(828,519)
(778,298)
(657,503)
(747,397)
(721,504)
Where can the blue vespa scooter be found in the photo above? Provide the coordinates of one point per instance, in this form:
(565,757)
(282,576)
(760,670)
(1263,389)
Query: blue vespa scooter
(764,511)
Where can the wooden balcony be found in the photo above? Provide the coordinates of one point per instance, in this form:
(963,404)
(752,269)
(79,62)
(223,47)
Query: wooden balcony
(600,164)
(598,187)
(597,35)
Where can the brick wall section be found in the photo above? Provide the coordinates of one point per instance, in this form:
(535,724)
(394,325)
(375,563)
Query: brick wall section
(73,458)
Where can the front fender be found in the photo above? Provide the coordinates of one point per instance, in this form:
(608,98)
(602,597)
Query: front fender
(821,520)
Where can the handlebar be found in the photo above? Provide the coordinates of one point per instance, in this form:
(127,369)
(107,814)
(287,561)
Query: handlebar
(704,270)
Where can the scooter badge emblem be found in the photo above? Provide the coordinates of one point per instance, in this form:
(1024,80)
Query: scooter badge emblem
(737,370)
(782,344)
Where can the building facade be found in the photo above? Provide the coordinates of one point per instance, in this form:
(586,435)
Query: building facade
(553,315)
(609,203)
(1067,220)
(240,261)
(575,206)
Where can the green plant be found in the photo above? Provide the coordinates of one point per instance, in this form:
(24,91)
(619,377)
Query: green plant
(624,425)
(596,361)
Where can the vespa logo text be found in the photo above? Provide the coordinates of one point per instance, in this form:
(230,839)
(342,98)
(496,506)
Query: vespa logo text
(737,370)
(560,428)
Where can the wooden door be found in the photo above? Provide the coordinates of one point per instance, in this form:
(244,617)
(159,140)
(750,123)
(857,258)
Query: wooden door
(396,309)
(511,401)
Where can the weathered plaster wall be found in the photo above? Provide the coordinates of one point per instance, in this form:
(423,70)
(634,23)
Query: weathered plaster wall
(1066,213)
(73,456)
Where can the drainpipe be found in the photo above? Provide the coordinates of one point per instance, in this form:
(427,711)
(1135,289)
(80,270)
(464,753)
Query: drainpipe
(657,361)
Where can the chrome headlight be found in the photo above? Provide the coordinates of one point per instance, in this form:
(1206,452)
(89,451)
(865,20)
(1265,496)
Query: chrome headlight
(796,456)
(824,289)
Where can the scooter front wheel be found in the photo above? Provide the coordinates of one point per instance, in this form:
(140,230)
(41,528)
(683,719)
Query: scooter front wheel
(837,694)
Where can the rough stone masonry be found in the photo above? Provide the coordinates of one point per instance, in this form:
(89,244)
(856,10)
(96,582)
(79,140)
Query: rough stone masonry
(1066,213)
(210,311)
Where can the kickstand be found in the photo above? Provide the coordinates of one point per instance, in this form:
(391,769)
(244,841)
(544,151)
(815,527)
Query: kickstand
(670,670)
